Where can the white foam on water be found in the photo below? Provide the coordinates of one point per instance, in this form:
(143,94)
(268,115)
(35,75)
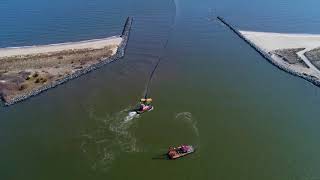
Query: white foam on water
(110,136)
(131,116)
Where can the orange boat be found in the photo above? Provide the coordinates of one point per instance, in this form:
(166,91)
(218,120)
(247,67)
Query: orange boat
(180,151)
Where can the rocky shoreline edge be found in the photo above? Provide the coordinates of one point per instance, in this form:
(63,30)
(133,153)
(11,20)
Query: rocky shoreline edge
(119,54)
(285,67)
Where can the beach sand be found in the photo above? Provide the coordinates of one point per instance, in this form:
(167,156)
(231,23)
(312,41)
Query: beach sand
(30,70)
(287,51)
(272,41)
(25,69)
(89,44)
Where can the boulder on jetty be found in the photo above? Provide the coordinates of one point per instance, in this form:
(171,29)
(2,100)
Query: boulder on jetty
(297,54)
(30,70)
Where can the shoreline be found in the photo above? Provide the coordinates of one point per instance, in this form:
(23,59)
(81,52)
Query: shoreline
(37,49)
(270,41)
(118,55)
(276,60)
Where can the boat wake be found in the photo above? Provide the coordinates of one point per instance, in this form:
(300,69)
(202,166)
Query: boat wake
(110,136)
(187,118)
(131,115)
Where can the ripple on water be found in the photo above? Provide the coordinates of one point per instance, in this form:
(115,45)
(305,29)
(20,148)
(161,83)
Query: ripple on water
(186,117)
(110,136)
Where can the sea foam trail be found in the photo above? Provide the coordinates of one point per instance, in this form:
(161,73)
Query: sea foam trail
(110,136)
(187,118)
(131,116)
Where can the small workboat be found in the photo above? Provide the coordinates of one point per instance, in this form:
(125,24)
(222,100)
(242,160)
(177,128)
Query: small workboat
(180,151)
(136,112)
(148,108)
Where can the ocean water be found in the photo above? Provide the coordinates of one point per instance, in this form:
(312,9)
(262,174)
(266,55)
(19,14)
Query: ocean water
(248,119)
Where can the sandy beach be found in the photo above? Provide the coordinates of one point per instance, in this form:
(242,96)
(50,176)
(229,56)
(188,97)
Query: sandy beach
(29,70)
(89,44)
(297,54)
(25,69)
(272,41)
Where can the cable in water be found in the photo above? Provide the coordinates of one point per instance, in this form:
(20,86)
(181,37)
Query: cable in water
(146,92)
(145,102)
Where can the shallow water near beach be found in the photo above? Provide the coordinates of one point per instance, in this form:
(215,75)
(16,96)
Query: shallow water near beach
(247,119)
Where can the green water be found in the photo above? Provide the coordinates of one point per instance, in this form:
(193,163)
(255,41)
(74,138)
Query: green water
(248,119)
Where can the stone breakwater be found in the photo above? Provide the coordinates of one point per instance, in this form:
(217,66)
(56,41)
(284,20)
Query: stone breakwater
(283,66)
(119,54)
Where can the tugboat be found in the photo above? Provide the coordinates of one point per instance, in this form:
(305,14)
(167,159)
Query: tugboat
(145,106)
(180,151)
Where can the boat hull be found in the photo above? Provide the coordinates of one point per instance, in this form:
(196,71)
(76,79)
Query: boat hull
(179,154)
